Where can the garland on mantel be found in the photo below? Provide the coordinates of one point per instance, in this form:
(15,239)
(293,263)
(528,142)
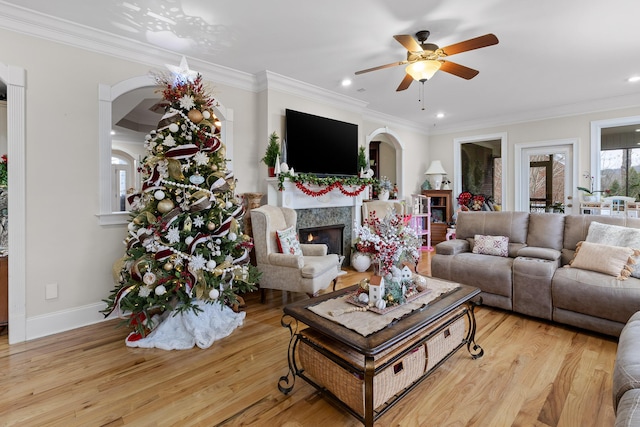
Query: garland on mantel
(302,180)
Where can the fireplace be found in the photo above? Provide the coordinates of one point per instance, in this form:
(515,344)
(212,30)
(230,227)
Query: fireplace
(330,235)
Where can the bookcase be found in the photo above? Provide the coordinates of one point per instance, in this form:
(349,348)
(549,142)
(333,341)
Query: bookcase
(441,213)
(421,219)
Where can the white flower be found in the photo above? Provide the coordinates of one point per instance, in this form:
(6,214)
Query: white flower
(173,235)
(144,291)
(169,141)
(198,221)
(186,102)
(201,158)
(197,262)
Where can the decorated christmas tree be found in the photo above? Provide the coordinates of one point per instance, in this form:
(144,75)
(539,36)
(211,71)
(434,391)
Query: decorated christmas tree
(186,259)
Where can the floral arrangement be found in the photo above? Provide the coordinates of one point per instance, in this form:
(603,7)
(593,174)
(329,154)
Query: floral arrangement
(471,201)
(389,241)
(385,184)
(3,169)
(590,191)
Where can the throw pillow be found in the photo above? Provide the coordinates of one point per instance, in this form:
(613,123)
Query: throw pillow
(491,245)
(288,241)
(615,235)
(613,260)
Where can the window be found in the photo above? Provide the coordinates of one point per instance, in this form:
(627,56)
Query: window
(620,171)
(122,170)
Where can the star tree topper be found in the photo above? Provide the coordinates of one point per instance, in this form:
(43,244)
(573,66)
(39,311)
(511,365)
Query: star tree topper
(182,73)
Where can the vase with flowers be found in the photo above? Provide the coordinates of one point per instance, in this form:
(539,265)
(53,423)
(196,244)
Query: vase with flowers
(590,194)
(384,188)
(471,202)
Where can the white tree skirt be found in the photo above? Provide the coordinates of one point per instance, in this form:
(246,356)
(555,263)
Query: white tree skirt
(186,329)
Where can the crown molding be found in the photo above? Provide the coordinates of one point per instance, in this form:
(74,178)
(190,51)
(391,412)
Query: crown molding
(559,111)
(30,23)
(273,81)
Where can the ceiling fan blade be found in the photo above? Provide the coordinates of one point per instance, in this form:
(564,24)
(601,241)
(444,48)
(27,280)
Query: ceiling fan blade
(458,70)
(405,83)
(408,42)
(471,44)
(380,67)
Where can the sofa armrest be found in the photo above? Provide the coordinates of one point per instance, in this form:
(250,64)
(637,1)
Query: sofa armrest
(313,249)
(286,260)
(452,247)
(542,253)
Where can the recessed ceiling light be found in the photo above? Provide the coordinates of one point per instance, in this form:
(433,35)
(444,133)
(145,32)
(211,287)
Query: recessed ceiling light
(346,82)
(634,79)
(440,115)
(638,130)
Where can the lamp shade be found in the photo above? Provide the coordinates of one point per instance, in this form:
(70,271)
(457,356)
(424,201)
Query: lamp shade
(423,70)
(435,168)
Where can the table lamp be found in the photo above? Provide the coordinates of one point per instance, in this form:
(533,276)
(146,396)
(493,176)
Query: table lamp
(436,170)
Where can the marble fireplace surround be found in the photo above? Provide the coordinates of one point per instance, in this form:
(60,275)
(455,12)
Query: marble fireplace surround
(329,209)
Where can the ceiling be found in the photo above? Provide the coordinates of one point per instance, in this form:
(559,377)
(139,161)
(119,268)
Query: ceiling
(554,58)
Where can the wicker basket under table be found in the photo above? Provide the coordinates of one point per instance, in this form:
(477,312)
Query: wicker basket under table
(339,370)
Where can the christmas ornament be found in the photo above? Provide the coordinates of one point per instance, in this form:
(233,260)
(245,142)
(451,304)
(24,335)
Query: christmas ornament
(158,194)
(214,294)
(195,116)
(160,290)
(196,179)
(165,205)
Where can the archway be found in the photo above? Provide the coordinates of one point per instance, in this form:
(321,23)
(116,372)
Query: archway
(394,140)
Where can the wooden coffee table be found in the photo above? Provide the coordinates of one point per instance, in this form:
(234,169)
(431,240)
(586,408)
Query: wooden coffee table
(383,366)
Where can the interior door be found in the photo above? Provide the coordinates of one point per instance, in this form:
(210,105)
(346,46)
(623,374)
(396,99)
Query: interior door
(547,179)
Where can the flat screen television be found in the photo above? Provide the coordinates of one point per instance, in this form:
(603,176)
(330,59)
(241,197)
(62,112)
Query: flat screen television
(320,146)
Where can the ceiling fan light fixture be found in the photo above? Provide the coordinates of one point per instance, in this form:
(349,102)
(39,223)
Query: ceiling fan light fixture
(423,70)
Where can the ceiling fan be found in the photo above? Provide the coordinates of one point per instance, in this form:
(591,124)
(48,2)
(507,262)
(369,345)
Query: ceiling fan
(425,59)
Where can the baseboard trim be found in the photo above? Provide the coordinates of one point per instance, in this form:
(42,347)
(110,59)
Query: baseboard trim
(65,320)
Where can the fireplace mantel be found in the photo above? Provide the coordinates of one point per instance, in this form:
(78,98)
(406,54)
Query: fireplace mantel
(292,197)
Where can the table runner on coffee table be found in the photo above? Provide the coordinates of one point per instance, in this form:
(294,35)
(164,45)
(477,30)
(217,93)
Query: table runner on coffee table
(366,322)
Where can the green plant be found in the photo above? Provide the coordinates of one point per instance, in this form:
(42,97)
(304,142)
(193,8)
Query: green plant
(363,164)
(273,150)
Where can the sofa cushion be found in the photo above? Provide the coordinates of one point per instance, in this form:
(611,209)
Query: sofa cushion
(616,261)
(615,235)
(595,294)
(577,227)
(491,245)
(511,224)
(545,230)
(628,414)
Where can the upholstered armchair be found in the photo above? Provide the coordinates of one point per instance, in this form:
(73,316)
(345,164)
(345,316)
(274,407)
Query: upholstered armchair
(382,208)
(308,272)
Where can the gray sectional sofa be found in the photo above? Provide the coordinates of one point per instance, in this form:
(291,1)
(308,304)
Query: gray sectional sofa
(626,375)
(533,279)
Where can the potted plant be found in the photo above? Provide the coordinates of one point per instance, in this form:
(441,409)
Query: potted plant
(272,154)
(384,188)
(363,163)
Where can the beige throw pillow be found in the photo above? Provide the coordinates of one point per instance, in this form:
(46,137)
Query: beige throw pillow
(616,261)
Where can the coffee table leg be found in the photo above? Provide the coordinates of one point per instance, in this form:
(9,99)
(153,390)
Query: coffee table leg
(368,391)
(474,349)
(283,383)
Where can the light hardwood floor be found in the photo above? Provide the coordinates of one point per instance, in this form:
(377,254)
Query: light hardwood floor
(533,373)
